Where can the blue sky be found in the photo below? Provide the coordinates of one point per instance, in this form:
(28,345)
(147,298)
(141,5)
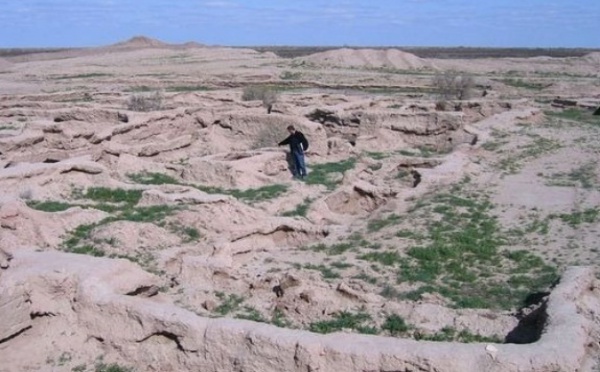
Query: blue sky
(499,23)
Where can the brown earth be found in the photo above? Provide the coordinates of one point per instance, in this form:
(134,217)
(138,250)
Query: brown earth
(440,227)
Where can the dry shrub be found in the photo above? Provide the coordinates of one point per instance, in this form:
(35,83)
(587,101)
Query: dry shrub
(145,102)
(453,85)
(267,95)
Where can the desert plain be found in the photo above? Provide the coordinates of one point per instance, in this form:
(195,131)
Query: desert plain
(450,220)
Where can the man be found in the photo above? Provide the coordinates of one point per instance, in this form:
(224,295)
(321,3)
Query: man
(298,144)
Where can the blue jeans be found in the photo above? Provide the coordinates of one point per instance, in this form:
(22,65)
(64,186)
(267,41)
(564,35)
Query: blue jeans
(298,166)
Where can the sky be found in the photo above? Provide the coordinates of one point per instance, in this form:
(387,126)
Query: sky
(468,23)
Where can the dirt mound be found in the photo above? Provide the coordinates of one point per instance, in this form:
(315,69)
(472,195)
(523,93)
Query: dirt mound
(590,58)
(369,58)
(139,42)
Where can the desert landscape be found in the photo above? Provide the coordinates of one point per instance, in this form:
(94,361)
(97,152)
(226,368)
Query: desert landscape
(450,219)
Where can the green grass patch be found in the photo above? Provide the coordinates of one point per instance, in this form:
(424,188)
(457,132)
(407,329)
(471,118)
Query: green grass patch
(577,115)
(537,147)
(366,278)
(278,319)
(377,155)
(250,313)
(321,174)
(112,367)
(345,320)
(460,256)
(449,334)
(583,176)
(229,303)
(82,76)
(378,224)
(520,83)
(108,195)
(152,178)
(49,205)
(248,195)
(301,209)
(575,219)
(140,89)
(188,88)
(395,325)
(331,250)
(326,272)
(259,194)
(388,258)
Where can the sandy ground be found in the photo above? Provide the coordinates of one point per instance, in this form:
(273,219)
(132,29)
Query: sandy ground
(446,219)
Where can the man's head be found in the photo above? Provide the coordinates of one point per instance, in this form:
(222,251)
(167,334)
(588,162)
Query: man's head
(291,129)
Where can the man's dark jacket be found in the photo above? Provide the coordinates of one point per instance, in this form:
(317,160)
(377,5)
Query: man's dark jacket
(297,142)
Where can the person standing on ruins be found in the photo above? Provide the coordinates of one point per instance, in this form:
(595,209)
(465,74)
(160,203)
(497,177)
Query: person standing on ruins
(298,145)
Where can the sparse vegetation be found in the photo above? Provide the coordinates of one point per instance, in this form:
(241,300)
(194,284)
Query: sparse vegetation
(520,83)
(290,75)
(8,127)
(330,250)
(576,115)
(327,272)
(83,76)
(187,88)
(250,313)
(145,102)
(533,150)
(267,95)
(395,325)
(378,224)
(108,195)
(229,303)
(300,210)
(248,195)
(323,174)
(113,367)
(463,242)
(575,219)
(49,205)
(583,176)
(449,334)
(453,85)
(358,322)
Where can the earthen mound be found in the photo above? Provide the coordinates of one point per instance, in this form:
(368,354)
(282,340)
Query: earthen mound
(592,57)
(369,58)
(139,42)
